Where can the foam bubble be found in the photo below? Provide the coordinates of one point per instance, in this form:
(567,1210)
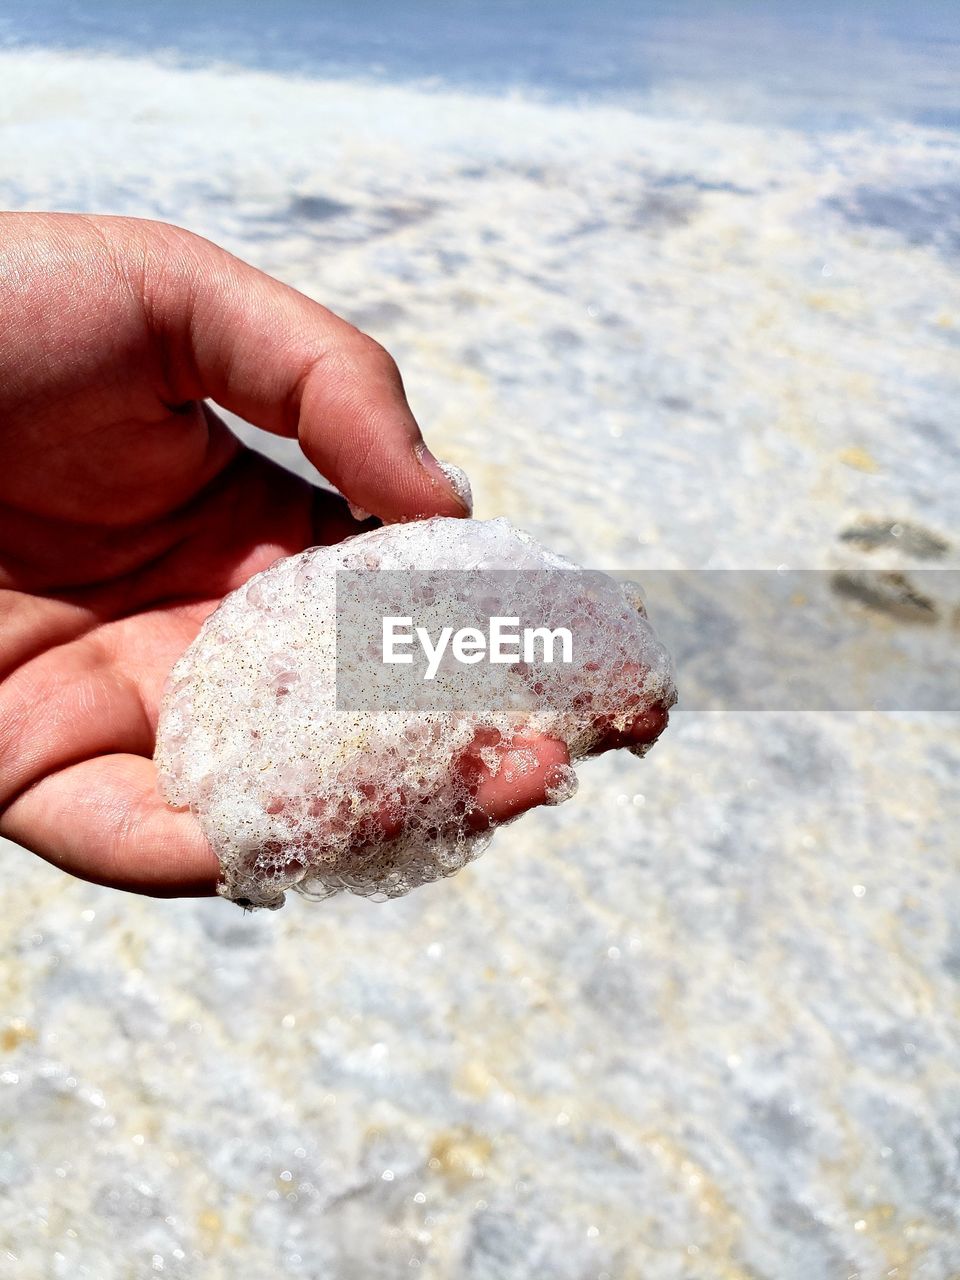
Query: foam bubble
(294,792)
(459,482)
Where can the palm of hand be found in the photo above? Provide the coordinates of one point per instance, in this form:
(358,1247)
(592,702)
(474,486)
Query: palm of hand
(86,649)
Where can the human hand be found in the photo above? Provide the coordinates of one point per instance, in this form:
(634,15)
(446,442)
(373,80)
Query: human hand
(128,510)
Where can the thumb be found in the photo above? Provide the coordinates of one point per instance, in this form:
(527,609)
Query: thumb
(285,363)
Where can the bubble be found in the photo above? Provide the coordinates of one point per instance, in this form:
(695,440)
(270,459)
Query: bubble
(561,784)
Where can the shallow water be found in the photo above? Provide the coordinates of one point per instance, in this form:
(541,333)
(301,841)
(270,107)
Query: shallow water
(820,64)
(701,1020)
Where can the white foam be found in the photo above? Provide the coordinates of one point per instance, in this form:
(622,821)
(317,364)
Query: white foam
(459,483)
(294,792)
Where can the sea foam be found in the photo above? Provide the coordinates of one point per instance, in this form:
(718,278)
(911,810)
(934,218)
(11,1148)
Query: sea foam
(294,789)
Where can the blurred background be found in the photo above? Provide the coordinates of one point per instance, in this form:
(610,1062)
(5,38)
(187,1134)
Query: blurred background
(678,285)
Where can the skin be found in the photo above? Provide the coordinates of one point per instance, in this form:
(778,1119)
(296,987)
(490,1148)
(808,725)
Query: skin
(128,510)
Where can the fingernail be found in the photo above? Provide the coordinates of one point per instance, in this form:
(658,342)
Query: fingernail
(446,474)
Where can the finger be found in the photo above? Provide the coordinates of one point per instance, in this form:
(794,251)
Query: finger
(638,734)
(104,820)
(66,705)
(287,364)
(520,778)
(528,770)
(333,521)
